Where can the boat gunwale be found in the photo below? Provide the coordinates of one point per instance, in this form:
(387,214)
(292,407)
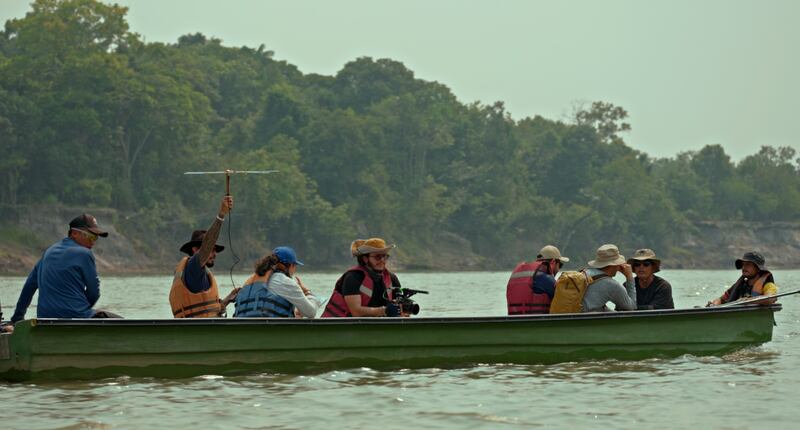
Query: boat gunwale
(397,320)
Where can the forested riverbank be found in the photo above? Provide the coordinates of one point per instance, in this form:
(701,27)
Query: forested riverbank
(92,117)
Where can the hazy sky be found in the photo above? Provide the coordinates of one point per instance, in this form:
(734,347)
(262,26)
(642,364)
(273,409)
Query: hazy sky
(690,73)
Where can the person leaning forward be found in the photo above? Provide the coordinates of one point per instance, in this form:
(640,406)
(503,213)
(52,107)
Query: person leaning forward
(66,276)
(275,290)
(756,280)
(532,285)
(194,292)
(605,289)
(652,292)
(365,290)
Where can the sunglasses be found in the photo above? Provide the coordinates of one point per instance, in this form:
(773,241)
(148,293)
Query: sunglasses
(379,257)
(88,234)
(642,263)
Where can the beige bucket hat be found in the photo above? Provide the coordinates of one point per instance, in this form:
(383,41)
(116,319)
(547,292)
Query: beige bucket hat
(550,252)
(607,255)
(645,254)
(364,247)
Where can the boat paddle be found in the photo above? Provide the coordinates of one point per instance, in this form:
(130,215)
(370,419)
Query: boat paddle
(757,299)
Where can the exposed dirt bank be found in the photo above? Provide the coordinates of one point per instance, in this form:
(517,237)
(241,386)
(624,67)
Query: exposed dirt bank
(26,231)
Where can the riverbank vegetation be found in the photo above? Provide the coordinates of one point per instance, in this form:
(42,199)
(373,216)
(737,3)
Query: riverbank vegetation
(91,115)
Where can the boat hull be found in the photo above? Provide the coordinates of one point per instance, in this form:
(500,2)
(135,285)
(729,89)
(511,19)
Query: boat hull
(79,349)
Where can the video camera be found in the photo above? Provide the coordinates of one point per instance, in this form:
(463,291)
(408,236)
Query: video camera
(402,297)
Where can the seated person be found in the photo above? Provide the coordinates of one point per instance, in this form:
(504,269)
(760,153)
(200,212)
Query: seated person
(755,281)
(194,292)
(604,288)
(532,285)
(275,291)
(365,290)
(66,276)
(652,292)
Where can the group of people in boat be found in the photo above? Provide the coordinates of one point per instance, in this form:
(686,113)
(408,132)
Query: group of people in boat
(68,284)
(534,289)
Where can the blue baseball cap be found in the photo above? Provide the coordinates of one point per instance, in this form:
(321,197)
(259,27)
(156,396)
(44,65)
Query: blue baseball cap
(286,255)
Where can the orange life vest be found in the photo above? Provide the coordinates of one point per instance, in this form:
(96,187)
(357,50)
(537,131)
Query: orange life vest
(186,304)
(337,305)
(520,297)
(734,294)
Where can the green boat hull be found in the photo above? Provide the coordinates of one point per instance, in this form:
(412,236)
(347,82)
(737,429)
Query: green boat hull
(92,348)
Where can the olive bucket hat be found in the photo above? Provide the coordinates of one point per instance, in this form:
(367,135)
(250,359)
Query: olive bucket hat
(753,257)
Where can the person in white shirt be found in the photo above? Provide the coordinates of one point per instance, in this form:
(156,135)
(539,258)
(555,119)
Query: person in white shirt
(275,291)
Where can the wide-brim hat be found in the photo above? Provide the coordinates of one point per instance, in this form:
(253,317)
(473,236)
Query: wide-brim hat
(88,223)
(550,252)
(645,255)
(197,241)
(753,257)
(607,255)
(369,246)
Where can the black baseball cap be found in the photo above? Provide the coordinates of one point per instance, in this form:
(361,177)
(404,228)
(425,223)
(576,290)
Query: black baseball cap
(88,223)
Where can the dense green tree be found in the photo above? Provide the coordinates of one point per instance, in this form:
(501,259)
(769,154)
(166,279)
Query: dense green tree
(91,115)
(606,118)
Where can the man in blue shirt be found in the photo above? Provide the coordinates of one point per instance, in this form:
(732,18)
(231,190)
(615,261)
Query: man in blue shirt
(65,276)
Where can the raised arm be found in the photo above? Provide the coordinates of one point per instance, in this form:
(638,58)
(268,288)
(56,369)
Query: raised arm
(211,236)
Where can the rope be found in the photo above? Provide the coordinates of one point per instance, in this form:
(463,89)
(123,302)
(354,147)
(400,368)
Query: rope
(236,259)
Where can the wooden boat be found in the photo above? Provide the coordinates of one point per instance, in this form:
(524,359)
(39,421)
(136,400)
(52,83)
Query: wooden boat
(95,348)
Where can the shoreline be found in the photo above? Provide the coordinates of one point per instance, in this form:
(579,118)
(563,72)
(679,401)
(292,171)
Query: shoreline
(218,272)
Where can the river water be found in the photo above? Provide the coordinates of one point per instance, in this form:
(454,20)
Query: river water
(754,388)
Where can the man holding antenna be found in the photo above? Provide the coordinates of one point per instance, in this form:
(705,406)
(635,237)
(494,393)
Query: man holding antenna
(194,292)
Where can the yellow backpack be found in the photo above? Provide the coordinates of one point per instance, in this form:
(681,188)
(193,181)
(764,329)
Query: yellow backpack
(570,289)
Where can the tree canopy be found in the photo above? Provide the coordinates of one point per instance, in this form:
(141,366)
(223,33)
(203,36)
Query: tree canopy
(91,115)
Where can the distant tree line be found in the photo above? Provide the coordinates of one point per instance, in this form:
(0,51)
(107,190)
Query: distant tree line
(91,115)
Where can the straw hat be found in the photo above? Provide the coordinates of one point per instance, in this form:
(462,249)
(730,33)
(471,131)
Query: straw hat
(550,252)
(607,255)
(644,255)
(364,247)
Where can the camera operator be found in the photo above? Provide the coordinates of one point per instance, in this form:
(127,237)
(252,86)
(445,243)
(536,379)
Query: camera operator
(365,290)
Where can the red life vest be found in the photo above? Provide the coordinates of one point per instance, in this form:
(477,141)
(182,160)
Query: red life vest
(337,305)
(520,296)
